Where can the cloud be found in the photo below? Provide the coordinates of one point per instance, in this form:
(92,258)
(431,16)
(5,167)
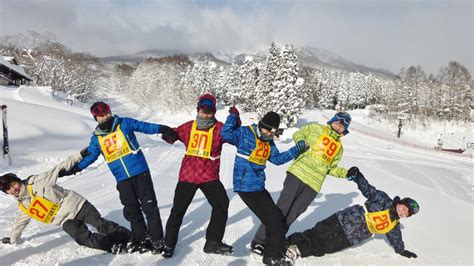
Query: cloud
(384,34)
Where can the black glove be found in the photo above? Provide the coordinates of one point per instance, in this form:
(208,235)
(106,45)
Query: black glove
(408,254)
(302,146)
(352,173)
(168,134)
(74,170)
(85,152)
(6,240)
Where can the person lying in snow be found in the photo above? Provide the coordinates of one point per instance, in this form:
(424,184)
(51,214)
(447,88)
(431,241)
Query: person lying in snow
(355,224)
(40,198)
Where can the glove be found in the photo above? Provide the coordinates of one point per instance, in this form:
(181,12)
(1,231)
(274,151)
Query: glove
(302,146)
(6,240)
(168,134)
(74,170)
(85,152)
(233,110)
(408,254)
(352,173)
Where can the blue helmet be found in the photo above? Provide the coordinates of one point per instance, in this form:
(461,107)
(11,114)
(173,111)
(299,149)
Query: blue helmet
(344,117)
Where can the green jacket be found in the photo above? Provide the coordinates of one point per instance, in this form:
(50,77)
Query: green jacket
(312,166)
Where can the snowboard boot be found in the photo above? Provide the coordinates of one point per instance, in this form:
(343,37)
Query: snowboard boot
(276,261)
(217,248)
(167,251)
(158,246)
(118,248)
(257,248)
(140,246)
(292,253)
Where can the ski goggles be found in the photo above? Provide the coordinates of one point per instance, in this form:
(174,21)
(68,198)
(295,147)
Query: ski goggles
(344,117)
(205,103)
(100,109)
(207,106)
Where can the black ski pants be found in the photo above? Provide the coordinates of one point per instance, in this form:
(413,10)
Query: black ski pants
(262,205)
(294,199)
(184,193)
(108,232)
(325,237)
(137,194)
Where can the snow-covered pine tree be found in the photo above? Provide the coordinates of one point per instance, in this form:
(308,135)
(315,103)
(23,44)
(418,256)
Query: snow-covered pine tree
(287,98)
(266,83)
(456,88)
(249,75)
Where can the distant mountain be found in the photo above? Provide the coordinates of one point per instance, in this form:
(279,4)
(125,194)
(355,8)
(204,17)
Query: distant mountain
(309,56)
(155,53)
(325,59)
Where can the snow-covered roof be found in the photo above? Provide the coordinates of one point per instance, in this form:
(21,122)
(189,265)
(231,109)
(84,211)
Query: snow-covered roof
(9,58)
(4,60)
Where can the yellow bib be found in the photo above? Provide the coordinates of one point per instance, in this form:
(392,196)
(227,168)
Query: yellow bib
(326,148)
(200,142)
(114,145)
(40,209)
(261,153)
(379,222)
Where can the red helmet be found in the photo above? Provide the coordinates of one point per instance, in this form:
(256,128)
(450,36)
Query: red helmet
(100,109)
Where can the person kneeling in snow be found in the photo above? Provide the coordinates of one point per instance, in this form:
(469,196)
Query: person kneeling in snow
(355,224)
(40,198)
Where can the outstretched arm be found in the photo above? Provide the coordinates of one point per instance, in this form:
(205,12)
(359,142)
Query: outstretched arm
(93,153)
(334,169)
(51,177)
(367,189)
(18,226)
(279,158)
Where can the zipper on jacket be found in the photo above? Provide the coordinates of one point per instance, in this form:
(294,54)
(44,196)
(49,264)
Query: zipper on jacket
(125,168)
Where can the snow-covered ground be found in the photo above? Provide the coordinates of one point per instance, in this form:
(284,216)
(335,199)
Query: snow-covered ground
(44,130)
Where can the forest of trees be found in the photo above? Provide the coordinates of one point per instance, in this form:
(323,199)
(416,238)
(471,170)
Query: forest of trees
(278,83)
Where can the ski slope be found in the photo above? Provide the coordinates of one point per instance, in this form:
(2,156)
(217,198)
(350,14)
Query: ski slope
(44,130)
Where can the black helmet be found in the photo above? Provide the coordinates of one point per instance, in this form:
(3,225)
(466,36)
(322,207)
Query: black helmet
(411,204)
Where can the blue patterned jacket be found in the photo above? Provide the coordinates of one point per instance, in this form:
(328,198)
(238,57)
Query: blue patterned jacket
(249,176)
(352,218)
(130,165)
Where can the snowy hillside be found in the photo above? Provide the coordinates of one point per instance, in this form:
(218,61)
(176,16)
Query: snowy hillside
(43,131)
(309,56)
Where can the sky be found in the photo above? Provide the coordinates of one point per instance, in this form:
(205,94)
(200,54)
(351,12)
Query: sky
(377,33)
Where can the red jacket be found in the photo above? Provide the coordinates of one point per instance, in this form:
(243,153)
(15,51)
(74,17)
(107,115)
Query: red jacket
(199,170)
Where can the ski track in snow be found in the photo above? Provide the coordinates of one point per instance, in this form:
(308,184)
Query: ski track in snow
(440,182)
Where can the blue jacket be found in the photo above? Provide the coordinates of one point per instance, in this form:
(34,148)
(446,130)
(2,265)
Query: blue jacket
(130,165)
(249,176)
(353,221)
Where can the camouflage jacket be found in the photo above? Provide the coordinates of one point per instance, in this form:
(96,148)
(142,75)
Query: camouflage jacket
(353,221)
